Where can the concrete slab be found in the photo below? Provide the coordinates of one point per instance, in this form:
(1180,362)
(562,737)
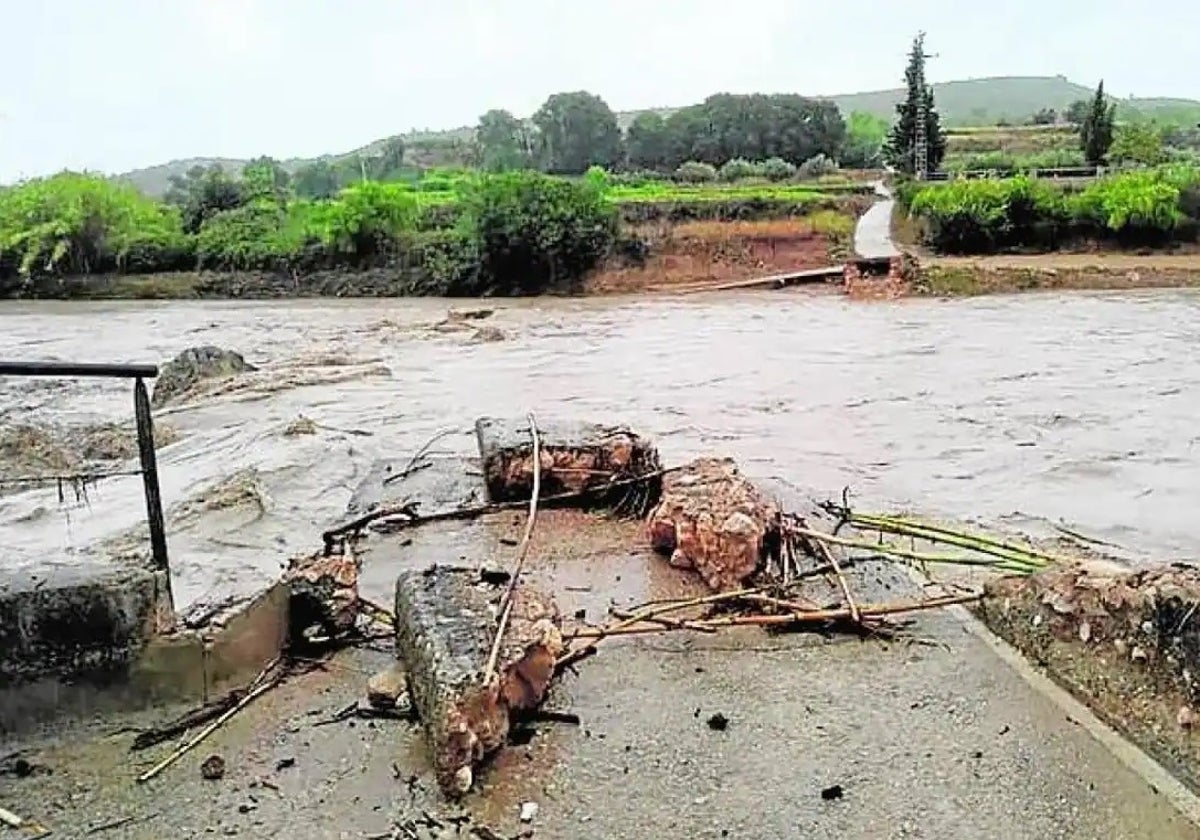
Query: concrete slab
(439,483)
(927,740)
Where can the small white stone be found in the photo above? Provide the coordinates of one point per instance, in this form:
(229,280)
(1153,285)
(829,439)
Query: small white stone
(1137,654)
(463,779)
(1037,620)
(1085,632)
(529,811)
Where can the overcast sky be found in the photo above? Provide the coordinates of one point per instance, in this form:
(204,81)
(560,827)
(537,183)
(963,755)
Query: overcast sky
(117,84)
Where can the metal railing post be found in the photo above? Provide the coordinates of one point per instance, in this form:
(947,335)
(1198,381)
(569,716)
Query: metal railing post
(154,510)
(145,439)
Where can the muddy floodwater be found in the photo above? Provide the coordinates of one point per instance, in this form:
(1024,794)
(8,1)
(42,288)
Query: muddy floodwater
(1010,411)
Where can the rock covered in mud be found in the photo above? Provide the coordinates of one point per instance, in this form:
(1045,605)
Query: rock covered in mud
(324,594)
(180,375)
(574,457)
(714,520)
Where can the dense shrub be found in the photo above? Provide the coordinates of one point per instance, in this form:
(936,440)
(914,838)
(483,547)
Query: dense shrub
(75,223)
(739,169)
(817,166)
(980,216)
(535,233)
(695,172)
(778,169)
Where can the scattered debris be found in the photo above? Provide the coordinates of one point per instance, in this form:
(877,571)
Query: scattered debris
(285,763)
(832,792)
(1186,718)
(529,811)
(261,685)
(714,520)
(324,595)
(213,768)
(385,688)
(718,722)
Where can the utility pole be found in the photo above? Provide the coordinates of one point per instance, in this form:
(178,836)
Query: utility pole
(921,144)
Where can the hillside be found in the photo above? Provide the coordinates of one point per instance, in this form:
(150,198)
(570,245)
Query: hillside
(970,102)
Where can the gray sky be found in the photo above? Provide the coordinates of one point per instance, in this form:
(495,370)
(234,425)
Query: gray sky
(112,85)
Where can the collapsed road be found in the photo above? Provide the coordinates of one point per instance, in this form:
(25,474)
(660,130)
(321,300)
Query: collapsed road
(741,662)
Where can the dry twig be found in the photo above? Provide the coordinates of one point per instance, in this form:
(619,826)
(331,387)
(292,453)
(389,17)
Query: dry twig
(260,686)
(522,551)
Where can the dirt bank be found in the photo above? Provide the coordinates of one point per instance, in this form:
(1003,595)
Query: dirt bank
(703,252)
(962,276)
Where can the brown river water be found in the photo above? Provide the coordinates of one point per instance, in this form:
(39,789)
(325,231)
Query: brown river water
(1013,412)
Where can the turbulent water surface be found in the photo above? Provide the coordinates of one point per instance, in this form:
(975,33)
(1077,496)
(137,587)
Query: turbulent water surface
(1004,410)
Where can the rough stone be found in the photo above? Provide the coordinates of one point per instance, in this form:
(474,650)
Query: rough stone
(324,594)
(445,625)
(384,688)
(712,519)
(1136,662)
(575,457)
(180,375)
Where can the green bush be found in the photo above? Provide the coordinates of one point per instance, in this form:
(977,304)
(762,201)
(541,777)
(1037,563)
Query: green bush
(74,223)
(739,169)
(778,169)
(817,166)
(696,172)
(979,216)
(535,233)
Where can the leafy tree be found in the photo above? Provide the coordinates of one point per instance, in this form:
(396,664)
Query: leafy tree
(203,192)
(1139,143)
(79,223)
(1077,111)
(1096,130)
(503,142)
(778,169)
(317,180)
(696,172)
(577,130)
(265,178)
(647,143)
(754,127)
(865,137)
(901,146)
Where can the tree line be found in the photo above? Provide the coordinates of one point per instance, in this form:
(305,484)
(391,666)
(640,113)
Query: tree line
(574,131)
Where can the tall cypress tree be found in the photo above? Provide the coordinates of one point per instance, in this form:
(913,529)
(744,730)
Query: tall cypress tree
(900,151)
(1096,130)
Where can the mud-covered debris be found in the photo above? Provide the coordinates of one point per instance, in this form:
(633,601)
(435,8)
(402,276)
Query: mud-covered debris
(575,457)
(445,626)
(285,763)
(718,722)
(1185,717)
(300,426)
(714,520)
(832,792)
(213,768)
(529,811)
(178,377)
(324,595)
(385,688)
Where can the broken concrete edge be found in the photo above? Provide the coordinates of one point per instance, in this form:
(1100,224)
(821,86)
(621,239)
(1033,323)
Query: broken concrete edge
(1124,642)
(575,458)
(147,667)
(446,620)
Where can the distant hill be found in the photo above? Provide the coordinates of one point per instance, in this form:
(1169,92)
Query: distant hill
(971,102)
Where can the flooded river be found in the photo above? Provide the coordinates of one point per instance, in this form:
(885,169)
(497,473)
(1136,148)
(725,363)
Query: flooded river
(1008,410)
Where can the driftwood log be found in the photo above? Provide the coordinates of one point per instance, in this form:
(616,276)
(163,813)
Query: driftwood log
(714,520)
(445,625)
(575,457)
